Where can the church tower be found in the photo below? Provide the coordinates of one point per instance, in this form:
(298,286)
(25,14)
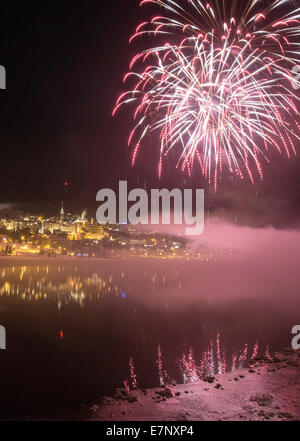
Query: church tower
(62,213)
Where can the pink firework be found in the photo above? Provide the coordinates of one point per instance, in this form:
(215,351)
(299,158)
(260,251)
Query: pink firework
(218,85)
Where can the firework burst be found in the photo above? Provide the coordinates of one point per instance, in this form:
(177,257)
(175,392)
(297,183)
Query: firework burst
(218,84)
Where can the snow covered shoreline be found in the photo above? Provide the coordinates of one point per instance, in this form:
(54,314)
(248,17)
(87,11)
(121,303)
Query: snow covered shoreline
(268,390)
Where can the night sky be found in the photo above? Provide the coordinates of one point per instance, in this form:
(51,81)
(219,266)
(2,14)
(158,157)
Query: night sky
(65,62)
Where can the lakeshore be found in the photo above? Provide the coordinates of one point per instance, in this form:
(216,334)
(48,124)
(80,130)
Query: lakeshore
(269,390)
(168,328)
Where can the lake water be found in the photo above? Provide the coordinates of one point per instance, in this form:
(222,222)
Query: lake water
(77,330)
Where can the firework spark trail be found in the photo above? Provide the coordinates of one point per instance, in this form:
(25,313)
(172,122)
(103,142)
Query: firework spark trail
(163,376)
(220,89)
(133,377)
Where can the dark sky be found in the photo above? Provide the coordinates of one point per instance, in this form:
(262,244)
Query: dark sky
(65,62)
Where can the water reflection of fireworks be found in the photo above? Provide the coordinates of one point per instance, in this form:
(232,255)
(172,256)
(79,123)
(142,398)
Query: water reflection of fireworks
(213,361)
